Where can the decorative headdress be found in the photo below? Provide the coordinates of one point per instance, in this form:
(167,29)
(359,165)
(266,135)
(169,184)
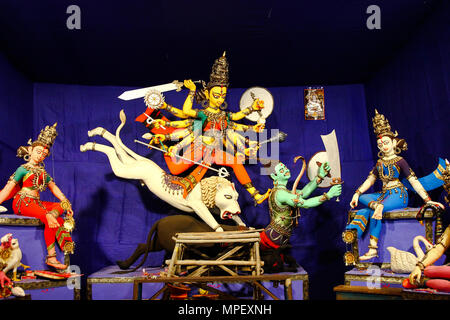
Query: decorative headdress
(47,136)
(381,126)
(219,73)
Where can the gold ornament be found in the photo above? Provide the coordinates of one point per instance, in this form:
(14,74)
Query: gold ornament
(219,73)
(47,136)
(5,254)
(154,99)
(349,258)
(348,236)
(66,205)
(69,223)
(446,178)
(381,126)
(69,247)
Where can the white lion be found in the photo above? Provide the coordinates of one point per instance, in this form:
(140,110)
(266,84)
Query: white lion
(127,164)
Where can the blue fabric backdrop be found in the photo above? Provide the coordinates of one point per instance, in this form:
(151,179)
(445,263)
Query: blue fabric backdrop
(413,91)
(16,105)
(114,214)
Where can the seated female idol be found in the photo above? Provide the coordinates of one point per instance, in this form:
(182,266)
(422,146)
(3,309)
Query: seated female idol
(394,195)
(25,186)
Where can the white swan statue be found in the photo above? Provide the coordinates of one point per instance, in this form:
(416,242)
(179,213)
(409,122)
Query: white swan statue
(404,261)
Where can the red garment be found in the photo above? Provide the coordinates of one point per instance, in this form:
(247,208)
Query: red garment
(177,166)
(218,125)
(30,207)
(154,114)
(439,277)
(28,182)
(266,243)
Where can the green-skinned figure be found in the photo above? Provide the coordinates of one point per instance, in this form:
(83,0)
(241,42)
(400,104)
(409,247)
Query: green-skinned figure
(283,202)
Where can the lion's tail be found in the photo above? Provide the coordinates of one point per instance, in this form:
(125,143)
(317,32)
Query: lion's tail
(150,244)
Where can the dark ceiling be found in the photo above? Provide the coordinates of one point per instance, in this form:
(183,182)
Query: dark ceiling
(268,43)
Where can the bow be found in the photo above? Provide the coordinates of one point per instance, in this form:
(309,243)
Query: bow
(297,180)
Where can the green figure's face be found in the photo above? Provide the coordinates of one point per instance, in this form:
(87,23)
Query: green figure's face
(282,173)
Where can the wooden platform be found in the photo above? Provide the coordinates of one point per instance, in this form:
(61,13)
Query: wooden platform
(43,285)
(106,284)
(420,294)
(231,260)
(16,220)
(385,277)
(346,292)
(256,281)
(109,279)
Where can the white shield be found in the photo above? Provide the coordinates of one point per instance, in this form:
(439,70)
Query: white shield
(261,94)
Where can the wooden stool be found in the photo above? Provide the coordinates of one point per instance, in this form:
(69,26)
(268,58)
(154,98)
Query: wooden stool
(239,239)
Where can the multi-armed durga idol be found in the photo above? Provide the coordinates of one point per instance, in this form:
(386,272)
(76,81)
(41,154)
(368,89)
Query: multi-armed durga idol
(203,134)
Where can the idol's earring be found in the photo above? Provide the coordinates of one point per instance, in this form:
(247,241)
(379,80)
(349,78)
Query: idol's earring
(380,154)
(205,104)
(26,157)
(397,150)
(224,106)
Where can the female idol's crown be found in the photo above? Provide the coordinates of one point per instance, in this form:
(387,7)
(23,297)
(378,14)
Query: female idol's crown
(381,126)
(219,73)
(47,136)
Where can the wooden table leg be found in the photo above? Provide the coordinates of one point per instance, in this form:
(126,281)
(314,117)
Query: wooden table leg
(170,271)
(306,289)
(258,259)
(137,290)
(89,291)
(76,294)
(288,289)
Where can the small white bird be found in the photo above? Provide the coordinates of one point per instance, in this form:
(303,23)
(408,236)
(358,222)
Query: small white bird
(3,209)
(404,261)
(18,292)
(11,255)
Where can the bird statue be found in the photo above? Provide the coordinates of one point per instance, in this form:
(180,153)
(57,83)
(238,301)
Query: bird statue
(3,209)
(11,255)
(404,261)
